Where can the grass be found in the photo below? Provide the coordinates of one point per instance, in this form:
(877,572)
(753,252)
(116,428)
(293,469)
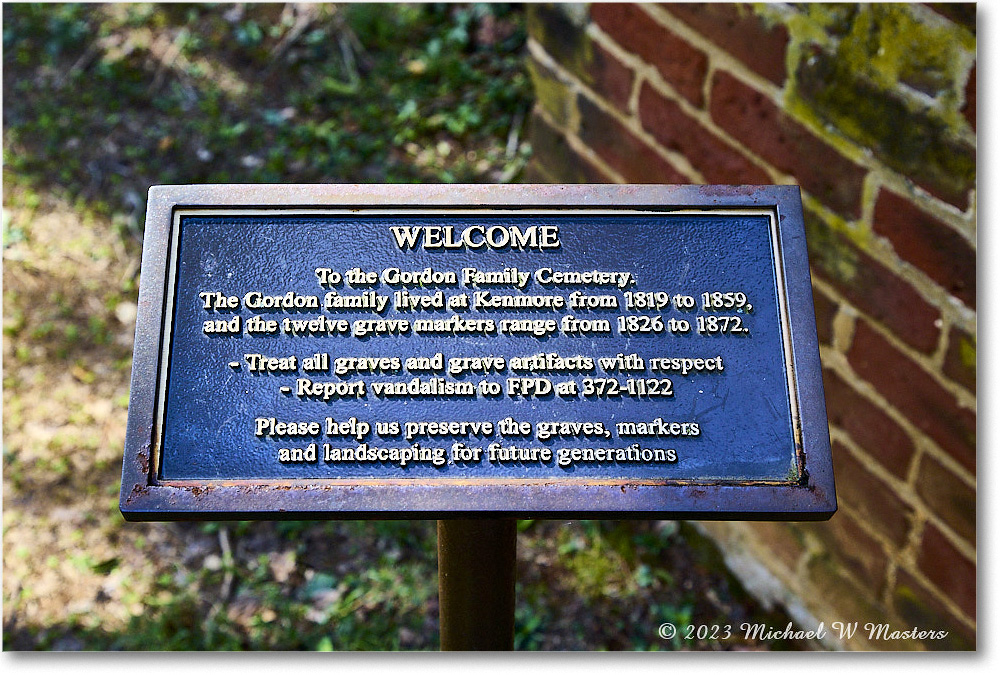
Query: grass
(105,100)
(372,586)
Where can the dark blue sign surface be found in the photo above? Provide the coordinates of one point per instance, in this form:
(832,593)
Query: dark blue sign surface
(668,359)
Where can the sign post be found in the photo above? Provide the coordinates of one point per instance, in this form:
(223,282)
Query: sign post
(468,353)
(476,575)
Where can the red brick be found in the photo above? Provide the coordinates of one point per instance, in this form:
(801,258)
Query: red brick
(607,75)
(621,149)
(869,427)
(753,119)
(782,540)
(593,64)
(916,605)
(739,31)
(954,196)
(679,63)
(857,552)
(675,130)
(928,244)
(533,174)
(969,110)
(948,569)
(913,392)
(559,159)
(825,310)
(960,359)
(870,286)
(828,581)
(874,499)
(948,496)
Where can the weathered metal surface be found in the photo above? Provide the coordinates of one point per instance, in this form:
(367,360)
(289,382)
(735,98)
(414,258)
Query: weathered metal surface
(476,579)
(792,480)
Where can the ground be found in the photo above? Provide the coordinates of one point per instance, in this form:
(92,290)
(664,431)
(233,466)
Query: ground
(101,101)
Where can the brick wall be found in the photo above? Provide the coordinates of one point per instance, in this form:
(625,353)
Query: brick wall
(871,110)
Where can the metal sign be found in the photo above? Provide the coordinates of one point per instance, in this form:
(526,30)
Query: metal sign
(437,351)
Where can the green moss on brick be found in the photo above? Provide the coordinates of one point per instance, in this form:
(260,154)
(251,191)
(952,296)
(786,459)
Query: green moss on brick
(847,599)
(560,30)
(561,163)
(830,251)
(834,19)
(551,93)
(967,352)
(914,606)
(960,359)
(888,80)
(890,45)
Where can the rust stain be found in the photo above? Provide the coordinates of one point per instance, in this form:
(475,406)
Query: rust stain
(728,190)
(329,484)
(136,492)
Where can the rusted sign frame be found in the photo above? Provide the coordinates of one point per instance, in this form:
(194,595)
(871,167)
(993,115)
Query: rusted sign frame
(143,497)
